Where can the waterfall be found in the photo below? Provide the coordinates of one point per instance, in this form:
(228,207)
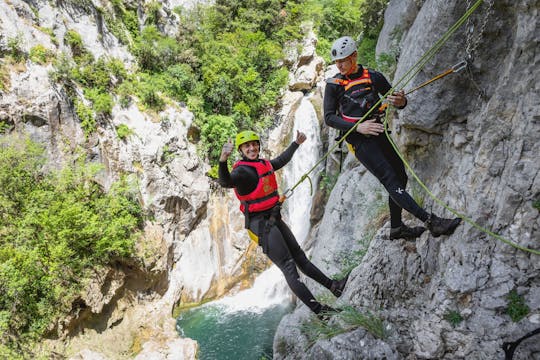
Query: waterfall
(298,206)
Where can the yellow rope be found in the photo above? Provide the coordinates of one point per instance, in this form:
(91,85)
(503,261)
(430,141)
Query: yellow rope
(454,69)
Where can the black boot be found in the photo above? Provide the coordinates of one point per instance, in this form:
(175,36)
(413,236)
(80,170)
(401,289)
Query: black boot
(338,285)
(438,226)
(405,232)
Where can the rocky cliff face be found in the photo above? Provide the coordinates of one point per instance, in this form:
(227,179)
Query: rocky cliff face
(476,150)
(127,309)
(473,138)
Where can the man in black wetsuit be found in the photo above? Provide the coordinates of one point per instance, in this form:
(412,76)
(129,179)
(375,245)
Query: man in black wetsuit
(348,96)
(255,185)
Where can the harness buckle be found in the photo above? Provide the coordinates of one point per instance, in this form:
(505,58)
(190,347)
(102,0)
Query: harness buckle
(459,66)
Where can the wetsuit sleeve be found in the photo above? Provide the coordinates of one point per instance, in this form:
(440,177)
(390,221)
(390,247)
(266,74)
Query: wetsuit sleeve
(243,178)
(382,85)
(330,106)
(224,176)
(284,157)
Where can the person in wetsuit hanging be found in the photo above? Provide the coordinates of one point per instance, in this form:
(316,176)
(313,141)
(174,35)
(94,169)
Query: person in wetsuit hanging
(348,96)
(255,185)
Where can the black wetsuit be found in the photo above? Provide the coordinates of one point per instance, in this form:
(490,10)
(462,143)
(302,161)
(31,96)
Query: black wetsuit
(277,242)
(374,152)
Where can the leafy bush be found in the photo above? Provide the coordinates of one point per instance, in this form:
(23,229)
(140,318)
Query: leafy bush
(55,227)
(217,129)
(179,81)
(149,89)
(102,102)
(63,67)
(123,131)
(152,10)
(74,40)
(40,54)
(359,19)
(86,116)
(154,51)
(15,50)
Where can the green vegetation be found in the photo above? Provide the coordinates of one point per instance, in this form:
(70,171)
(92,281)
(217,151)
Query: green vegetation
(3,126)
(316,329)
(453,317)
(75,43)
(227,69)
(86,115)
(516,307)
(55,227)
(15,50)
(123,131)
(360,19)
(536,204)
(349,260)
(4,77)
(40,54)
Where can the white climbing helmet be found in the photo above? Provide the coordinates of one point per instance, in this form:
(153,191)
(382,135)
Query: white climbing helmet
(342,47)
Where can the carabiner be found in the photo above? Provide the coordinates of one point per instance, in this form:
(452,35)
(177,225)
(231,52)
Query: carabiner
(459,66)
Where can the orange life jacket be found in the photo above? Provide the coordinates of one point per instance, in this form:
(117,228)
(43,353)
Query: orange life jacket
(265,196)
(363,86)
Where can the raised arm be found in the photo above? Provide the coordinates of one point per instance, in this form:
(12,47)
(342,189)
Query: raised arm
(225,179)
(287,155)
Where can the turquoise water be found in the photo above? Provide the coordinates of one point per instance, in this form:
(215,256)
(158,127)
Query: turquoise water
(224,335)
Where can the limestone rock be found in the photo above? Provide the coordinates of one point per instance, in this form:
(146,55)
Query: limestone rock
(476,151)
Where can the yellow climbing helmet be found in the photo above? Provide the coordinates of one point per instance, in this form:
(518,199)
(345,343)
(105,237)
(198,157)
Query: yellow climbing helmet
(246,136)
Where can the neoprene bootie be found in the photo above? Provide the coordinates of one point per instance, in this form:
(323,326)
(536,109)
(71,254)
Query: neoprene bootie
(439,226)
(405,232)
(338,285)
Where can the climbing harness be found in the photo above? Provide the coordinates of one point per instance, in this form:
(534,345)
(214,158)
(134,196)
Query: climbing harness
(454,69)
(400,84)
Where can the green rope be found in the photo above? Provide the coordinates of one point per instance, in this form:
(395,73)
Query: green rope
(453,211)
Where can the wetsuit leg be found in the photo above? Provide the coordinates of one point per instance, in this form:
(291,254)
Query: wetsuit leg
(275,247)
(300,258)
(399,168)
(378,156)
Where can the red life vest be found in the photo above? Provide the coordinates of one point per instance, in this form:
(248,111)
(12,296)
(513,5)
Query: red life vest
(265,195)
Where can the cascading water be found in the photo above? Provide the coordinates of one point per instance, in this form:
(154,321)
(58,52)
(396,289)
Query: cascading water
(298,206)
(242,326)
